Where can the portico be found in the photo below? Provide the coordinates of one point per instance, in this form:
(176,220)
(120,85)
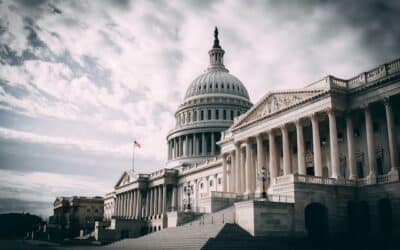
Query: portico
(311,133)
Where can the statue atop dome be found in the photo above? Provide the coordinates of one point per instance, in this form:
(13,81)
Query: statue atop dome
(216,40)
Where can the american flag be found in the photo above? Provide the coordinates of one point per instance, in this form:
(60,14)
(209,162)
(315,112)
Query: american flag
(136,144)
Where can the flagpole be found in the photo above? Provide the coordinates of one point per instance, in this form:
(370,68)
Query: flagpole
(133,157)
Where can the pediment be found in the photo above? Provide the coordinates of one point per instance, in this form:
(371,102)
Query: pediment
(126,178)
(274,102)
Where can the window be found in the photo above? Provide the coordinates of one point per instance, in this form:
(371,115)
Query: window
(209,114)
(96,210)
(211,183)
(356,132)
(224,114)
(232,115)
(216,86)
(201,115)
(217,114)
(194,115)
(189,117)
(219,181)
(201,185)
(222,86)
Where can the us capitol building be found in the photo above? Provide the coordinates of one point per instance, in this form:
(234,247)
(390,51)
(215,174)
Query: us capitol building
(319,159)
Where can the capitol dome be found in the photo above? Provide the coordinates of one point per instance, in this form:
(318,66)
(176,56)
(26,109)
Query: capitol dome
(216,81)
(210,104)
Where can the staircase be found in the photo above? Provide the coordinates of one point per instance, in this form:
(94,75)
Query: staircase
(210,231)
(183,237)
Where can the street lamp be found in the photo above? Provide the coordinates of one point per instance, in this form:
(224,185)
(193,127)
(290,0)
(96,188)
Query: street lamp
(264,177)
(188,191)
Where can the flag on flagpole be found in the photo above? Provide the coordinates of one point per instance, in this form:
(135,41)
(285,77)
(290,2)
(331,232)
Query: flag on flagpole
(136,144)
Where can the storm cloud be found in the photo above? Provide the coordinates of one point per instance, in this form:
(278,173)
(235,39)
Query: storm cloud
(80,80)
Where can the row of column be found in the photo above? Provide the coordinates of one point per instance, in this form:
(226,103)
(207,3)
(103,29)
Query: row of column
(196,115)
(129,204)
(241,176)
(192,145)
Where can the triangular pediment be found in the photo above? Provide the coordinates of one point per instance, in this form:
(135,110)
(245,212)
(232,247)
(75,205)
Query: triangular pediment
(126,177)
(275,102)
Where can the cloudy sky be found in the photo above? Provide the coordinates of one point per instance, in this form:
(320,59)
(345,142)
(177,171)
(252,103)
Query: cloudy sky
(79,80)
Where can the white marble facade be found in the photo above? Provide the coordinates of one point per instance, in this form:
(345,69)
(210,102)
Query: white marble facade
(331,132)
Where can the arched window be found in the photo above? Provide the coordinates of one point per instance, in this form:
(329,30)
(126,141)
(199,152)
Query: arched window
(224,114)
(201,115)
(222,86)
(209,115)
(232,115)
(211,183)
(189,117)
(217,114)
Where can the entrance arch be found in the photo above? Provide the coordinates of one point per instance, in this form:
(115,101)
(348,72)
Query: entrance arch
(316,222)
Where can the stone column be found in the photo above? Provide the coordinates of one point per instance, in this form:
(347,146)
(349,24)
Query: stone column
(151,205)
(224,168)
(174,198)
(287,168)
(203,144)
(370,143)
(247,167)
(391,137)
(138,204)
(155,204)
(123,205)
(180,146)
(120,206)
(147,211)
(160,199)
(351,160)
(233,173)
(316,145)
(187,145)
(117,206)
(333,144)
(260,165)
(195,146)
(134,203)
(129,196)
(300,148)
(175,148)
(212,143)
(238,187)
(242,171)
(164,199)
(273,164)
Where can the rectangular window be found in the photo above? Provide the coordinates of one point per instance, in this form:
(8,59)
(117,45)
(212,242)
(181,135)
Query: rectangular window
(217,114)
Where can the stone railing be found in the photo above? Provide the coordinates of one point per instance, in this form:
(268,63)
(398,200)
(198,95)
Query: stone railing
(280,198)
(198,166)
(228,195)
(161,172)
(283,179)
(314,179)
(309,179)
(359,80)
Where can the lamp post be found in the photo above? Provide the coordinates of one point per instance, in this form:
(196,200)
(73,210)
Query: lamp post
(188,192)
(263,176)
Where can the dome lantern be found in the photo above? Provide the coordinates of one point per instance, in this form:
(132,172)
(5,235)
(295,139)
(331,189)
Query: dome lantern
(216,54)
